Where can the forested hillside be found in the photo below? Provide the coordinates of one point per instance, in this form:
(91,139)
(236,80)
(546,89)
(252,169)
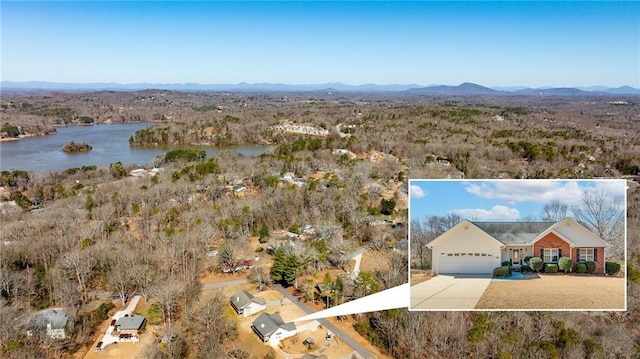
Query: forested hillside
(87,236)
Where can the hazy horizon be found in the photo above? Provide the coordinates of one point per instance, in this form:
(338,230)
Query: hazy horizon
(495,44)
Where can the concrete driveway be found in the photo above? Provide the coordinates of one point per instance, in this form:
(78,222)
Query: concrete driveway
(449,292)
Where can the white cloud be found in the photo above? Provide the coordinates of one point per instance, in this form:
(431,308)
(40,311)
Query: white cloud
(417,191)
(496,213)
(538,191)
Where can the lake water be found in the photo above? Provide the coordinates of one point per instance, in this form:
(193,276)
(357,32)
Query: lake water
(110,144)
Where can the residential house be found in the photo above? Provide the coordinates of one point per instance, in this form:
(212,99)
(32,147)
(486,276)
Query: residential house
(129,327)
(237,266)
(54,323)
(478,247)
(245,304)
(270,328)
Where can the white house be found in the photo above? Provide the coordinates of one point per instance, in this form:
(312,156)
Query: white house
(270,328)
(53,323)
(245,304)
(478,247)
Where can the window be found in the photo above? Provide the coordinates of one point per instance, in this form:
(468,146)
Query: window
(550,255)
(585,254)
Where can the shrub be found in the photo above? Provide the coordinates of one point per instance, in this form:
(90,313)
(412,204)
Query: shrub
(505,263)
(103,310)
(581,268)
(612,268)
(565,264)
(551,268)
(525,269)
(72,147)
(387,206)
(536,264)
(502,272)
(591,266)
(593,349)
(526,260)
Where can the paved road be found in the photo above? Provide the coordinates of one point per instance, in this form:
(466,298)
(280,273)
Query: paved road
(449,292)
(224,284)
(341,335)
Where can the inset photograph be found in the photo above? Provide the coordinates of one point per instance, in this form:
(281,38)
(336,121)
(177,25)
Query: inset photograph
(517,244)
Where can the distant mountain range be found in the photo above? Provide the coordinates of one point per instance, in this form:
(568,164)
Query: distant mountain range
(466,88)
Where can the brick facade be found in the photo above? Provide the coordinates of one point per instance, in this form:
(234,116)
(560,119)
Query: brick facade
(599,254)
(551,240)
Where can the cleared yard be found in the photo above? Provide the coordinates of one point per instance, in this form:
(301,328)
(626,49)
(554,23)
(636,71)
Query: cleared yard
(556,291)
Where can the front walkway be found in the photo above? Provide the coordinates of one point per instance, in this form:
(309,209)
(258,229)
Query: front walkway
(449,292)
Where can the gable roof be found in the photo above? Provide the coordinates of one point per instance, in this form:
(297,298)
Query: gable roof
(133,322)
(242,298)
(526,233)
(267,324)
(465,224)
(57,319)
(580,236)
(514,232)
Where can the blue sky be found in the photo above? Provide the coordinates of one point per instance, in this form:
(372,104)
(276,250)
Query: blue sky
(500,200)
(514,43)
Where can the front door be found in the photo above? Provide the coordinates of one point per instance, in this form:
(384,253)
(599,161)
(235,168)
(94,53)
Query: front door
(515,257)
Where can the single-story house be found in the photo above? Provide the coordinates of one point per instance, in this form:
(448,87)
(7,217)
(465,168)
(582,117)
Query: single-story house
(478,247)
(130,326)
(54,323)
(270,328)
(238,266)
(245,304)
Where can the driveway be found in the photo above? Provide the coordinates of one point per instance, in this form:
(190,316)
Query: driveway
(108,337)
(449,292)
(343,336)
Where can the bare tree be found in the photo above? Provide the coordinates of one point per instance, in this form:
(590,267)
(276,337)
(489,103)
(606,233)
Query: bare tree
(604,215)
(554,211)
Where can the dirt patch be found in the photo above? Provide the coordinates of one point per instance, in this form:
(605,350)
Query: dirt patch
(418,276)
(556,291)
(373,260)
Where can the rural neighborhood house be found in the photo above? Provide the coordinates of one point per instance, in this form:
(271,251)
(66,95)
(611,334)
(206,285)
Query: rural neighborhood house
(129,327)
(54,323)
(270,328)
(245,304)
(478,247)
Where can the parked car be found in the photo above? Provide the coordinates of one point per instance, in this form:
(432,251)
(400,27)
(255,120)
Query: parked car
(99,346)
(113,323)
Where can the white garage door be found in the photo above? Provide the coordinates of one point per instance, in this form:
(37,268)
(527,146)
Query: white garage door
(466,263)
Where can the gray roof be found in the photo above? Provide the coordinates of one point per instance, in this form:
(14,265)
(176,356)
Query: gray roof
(57,319)
(267,324)
(514,232)
(242,298)
(133,322)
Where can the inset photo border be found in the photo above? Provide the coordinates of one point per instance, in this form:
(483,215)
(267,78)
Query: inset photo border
(552,245)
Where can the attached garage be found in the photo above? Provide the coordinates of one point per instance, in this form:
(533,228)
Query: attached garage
(465,249)
(472,263)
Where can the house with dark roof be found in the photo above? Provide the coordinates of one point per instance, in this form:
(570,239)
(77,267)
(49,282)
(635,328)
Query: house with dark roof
(245,304)
(54,323)
(478,247)
(270,328)
(129,327)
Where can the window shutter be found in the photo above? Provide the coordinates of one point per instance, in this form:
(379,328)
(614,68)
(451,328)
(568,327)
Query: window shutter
(577,255)
(595,254)
(559,253)
(542,254)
